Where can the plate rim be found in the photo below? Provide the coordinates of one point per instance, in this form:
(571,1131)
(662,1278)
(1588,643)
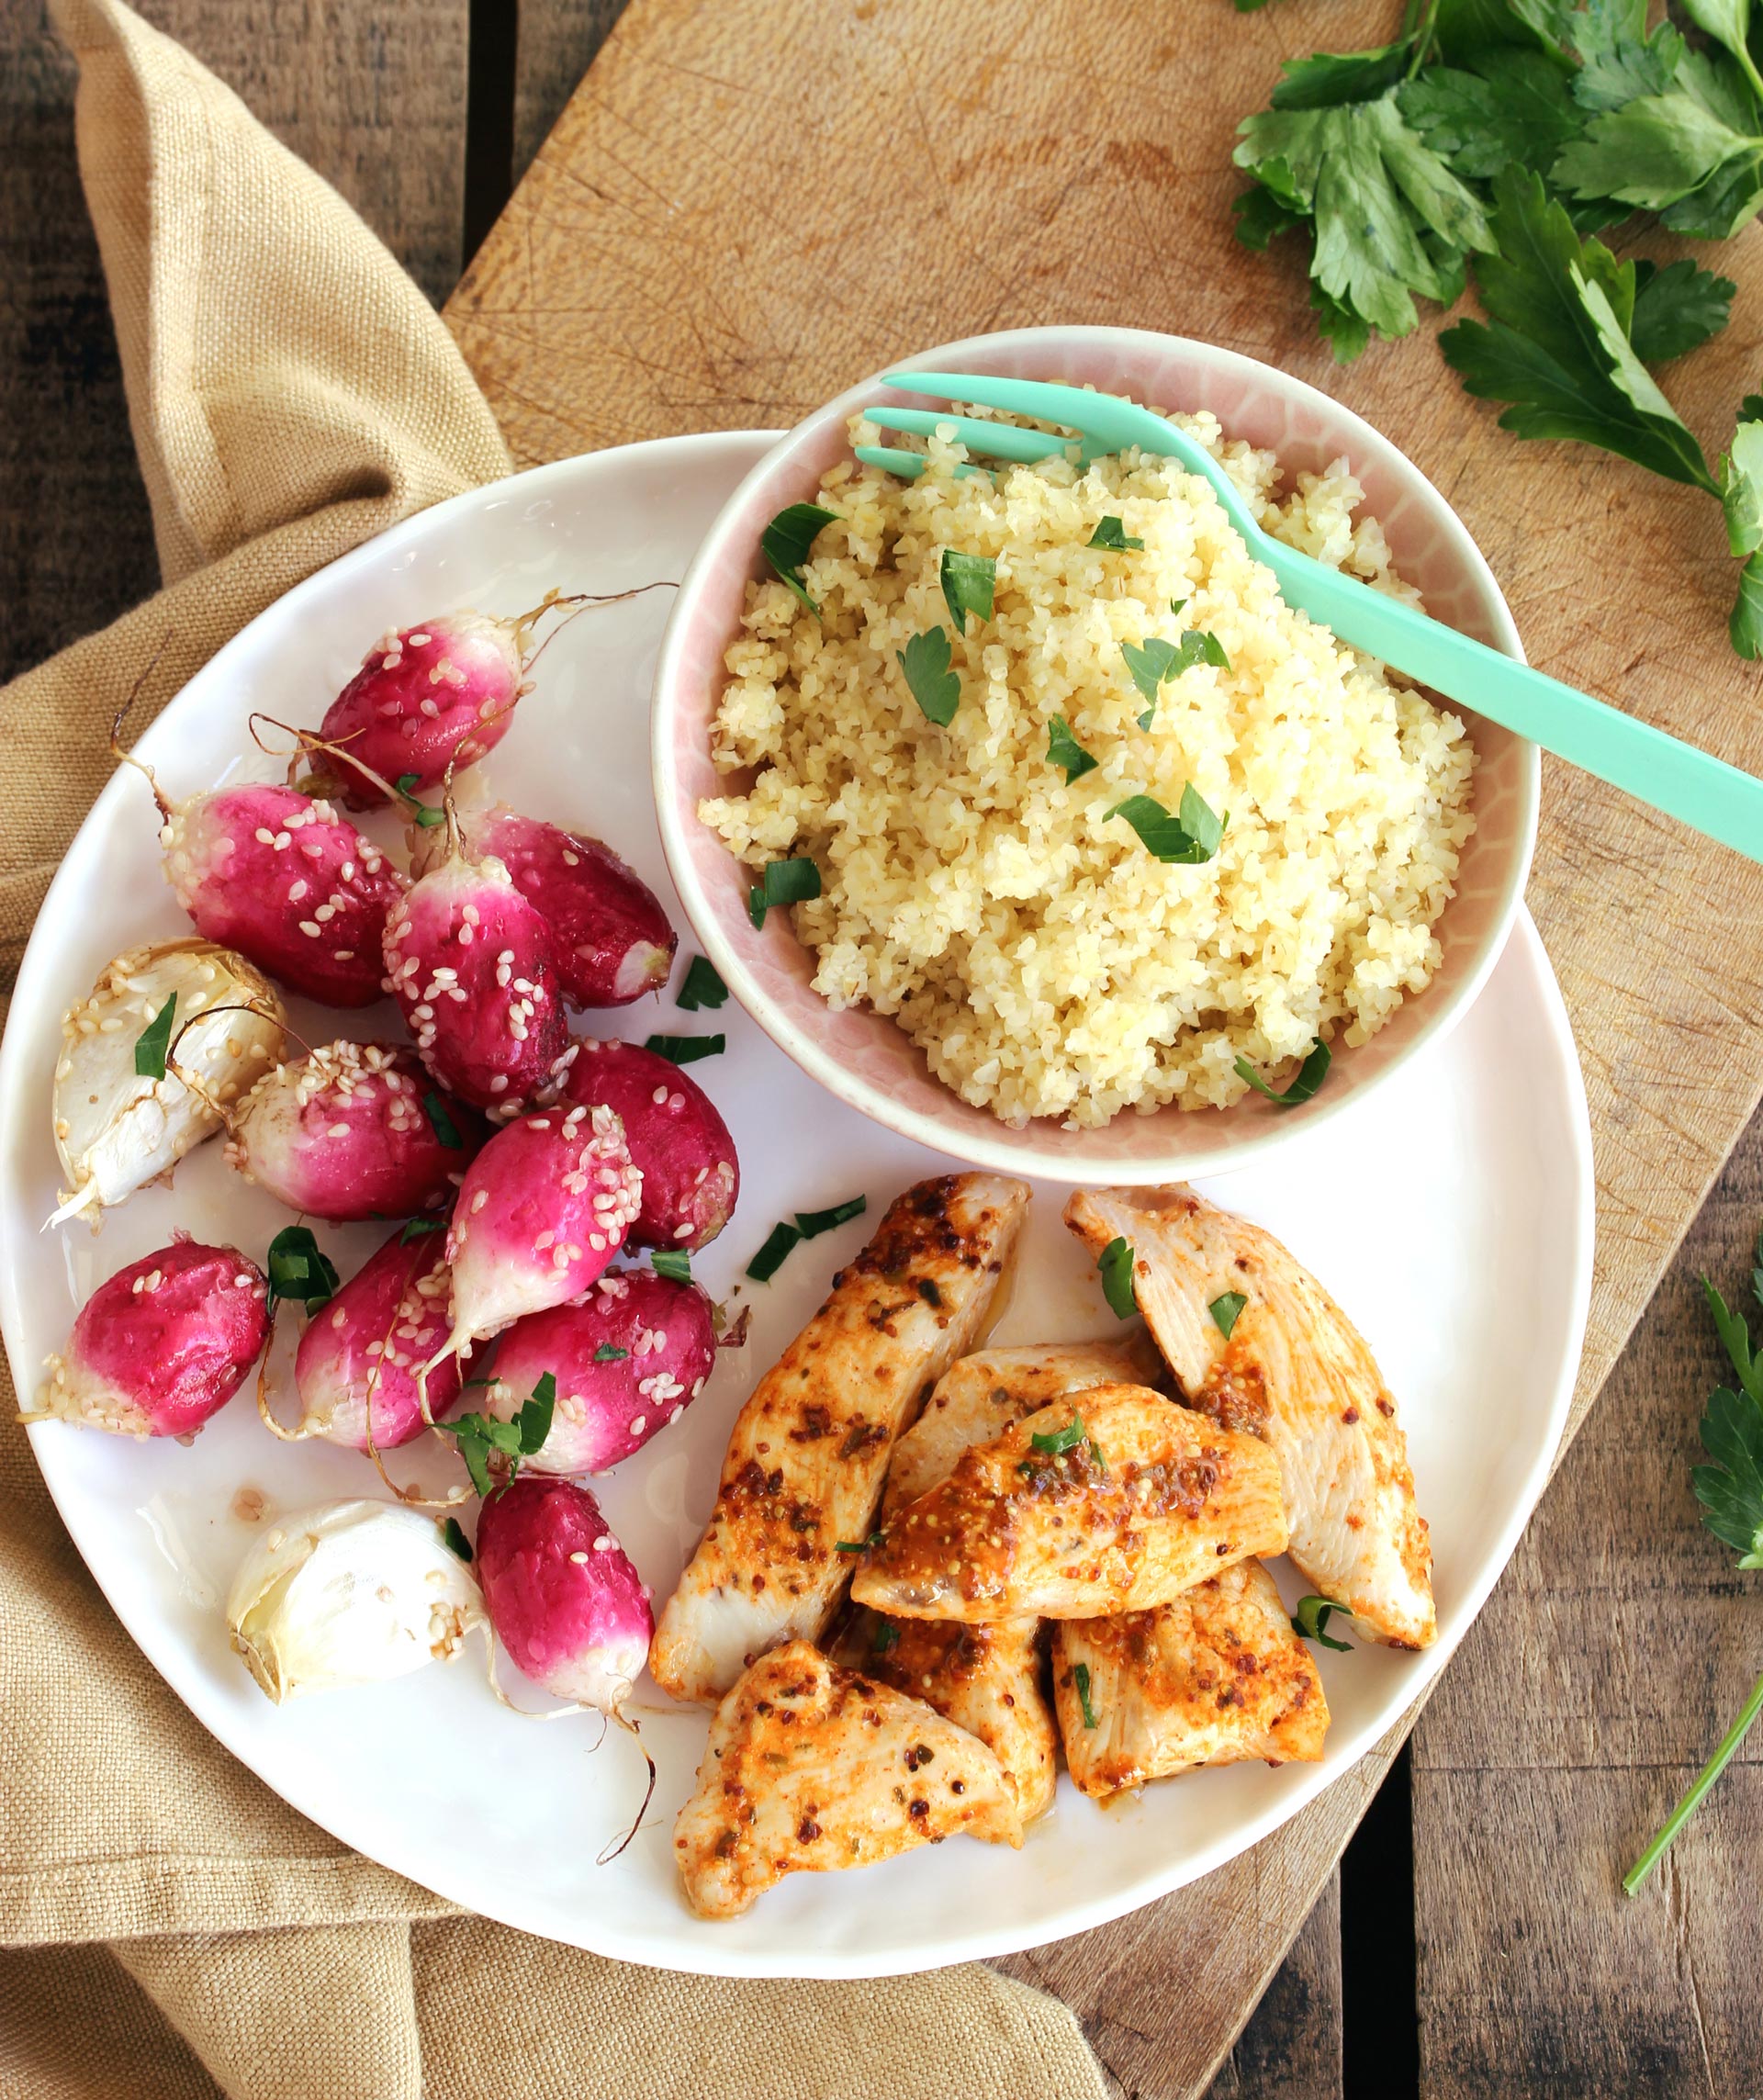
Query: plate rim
(707,1960)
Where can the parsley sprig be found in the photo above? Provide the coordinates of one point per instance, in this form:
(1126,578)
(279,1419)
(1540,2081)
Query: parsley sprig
(479,1435)
(1491,137)
(1731,1494)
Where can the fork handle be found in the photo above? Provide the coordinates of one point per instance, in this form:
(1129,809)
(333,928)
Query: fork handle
(1700,791)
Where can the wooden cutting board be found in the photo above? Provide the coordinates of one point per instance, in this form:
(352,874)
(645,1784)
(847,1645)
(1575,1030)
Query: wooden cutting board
(749,205)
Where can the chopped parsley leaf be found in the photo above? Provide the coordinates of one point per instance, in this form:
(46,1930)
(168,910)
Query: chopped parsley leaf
(298,1270)
(769,1259)
(783,882)
(1115,1262)
(1057,1443)
(787,540)
(1186,839)
(1311,1075)
(445,1129)
(811,1223)
(1311,1618)
(935,687)
(686,1049)
(154,1042)
(969,581)
(701,986)
(1063,749)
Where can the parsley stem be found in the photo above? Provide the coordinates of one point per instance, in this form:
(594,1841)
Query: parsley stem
(1692,1801)
(1421,19)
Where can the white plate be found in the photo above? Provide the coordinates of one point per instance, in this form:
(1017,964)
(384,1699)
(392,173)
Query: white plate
(1452,1215)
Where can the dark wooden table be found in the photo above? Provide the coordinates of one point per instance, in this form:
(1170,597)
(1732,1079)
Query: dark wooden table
(1473,1942)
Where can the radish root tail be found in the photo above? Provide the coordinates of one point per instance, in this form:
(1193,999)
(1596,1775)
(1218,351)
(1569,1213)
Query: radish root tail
(611,1851)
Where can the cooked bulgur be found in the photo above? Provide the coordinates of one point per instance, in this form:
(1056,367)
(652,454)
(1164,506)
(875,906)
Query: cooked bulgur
(1043,959)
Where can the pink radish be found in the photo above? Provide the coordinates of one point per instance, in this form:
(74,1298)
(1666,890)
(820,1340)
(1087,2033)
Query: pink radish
(470,962)
(161,1346)
(291,885)
(611,937)
(627,1356)
(542,1210)
(691,1175)
(367,1345)
(564,1599)
(353,1130)
(427,697)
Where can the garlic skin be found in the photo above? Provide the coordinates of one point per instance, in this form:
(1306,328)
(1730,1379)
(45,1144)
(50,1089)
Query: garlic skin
(116,1130)
(350,1593)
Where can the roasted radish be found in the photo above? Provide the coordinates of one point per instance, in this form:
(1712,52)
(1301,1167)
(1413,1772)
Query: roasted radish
(353,1130)
(563,1599)
(365,1350)
(427,697)
(628,1355)
(161,1346)
(608,934)
(286,880)
(691,1175)
(469,960)
(542,1209)
(201,1021)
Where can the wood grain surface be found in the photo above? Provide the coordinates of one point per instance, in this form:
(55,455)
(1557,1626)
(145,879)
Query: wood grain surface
(746,207)
(729,192)
(1604,1669)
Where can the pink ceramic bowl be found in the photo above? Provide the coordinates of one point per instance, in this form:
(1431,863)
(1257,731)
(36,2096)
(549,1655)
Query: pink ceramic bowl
(862,1057)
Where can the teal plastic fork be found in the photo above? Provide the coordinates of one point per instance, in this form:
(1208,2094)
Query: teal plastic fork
(1700,791)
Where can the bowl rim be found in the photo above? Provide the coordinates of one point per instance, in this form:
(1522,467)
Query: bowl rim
(995,1150)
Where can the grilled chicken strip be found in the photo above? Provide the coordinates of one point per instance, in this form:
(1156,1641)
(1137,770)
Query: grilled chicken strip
(805,1466)
(978,1398)
(987,1678)
(1124,1502)
(1294,1370)
(1213,1677)
(810,1767)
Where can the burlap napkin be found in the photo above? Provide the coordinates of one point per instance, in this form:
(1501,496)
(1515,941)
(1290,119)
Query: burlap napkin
(167,1926)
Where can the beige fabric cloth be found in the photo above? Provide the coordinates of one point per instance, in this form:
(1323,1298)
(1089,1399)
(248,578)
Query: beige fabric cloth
(167,1926)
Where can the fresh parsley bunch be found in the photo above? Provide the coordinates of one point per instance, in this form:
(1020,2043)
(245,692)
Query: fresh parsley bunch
(1731,1494)
(1495,137)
